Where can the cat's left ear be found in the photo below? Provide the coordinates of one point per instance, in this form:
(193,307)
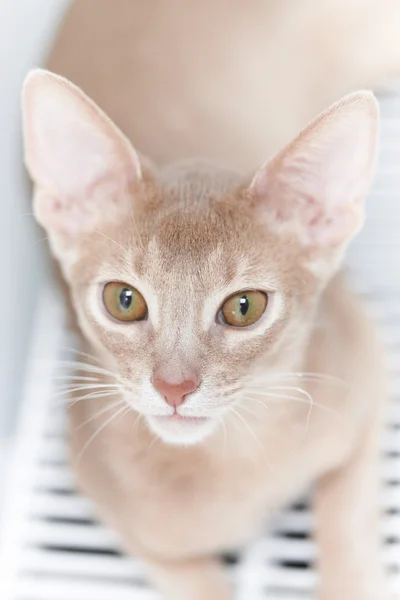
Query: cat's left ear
(314,189)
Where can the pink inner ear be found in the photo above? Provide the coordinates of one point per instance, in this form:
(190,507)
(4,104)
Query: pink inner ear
(318,182)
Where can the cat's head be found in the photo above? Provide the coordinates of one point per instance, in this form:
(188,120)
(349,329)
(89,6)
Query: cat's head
(189,280)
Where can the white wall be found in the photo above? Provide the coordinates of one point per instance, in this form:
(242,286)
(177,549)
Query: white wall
(26,30)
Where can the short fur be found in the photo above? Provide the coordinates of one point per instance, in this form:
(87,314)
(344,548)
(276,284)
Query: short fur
(294,399)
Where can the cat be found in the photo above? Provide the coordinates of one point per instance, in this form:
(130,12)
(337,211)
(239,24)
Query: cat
(229,365)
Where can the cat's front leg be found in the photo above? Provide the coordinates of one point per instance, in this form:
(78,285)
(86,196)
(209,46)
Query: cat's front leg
(195,579)
(347,511)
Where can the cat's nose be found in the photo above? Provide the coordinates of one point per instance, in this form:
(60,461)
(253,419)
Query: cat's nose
(175,393)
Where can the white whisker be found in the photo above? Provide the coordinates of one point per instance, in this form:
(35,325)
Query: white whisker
(309,398)
(246,408)
(98,414)
(81,353)
(271,395)
(256,400)
(250,430)
(221,420)
(82,366)
(139,239)
(125,250)
(92,395)
(154,441)
(99,430)
(278,397)
(75,378)
(139,415)
(89,386)
(307,376)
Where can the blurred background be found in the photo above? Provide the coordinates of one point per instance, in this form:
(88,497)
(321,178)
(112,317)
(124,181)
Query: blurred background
(26,32)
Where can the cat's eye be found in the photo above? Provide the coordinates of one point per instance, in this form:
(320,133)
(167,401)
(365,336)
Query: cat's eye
(124,302)
(243,309)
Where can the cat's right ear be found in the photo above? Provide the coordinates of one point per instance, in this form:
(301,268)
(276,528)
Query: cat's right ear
(314,189)
(81,163)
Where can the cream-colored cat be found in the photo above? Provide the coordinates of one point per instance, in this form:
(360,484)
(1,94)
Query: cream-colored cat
(236,367)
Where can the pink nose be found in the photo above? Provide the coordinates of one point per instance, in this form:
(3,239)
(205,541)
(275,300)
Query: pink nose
(175,393)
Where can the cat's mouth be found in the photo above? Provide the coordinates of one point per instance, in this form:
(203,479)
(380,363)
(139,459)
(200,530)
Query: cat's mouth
(183,418)
(180,429)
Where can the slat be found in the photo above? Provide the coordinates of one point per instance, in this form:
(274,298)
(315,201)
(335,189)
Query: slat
(45,562)
(63,588)
(71,534)
(303,522)
(46,504)
(390,470)
(55,477)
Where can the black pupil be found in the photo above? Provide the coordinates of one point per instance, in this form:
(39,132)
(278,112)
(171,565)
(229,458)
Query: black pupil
(125,298)
(244,305)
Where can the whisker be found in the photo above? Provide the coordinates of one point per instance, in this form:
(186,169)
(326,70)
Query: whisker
(278,397)
(250,430)
(90,386)
(154,441)
(82,366)
(98,431)
(89,396)
(139,415)
(82,385)
(125,250)
(246,408)
(98,414)
(139,238)
(221,419)
(81,353)
(271,395)
(294,388)
(308,376)
(308,396)
(75,378)
(256,400)
(128,410)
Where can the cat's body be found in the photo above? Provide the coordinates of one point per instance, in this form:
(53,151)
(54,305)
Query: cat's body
(294,399)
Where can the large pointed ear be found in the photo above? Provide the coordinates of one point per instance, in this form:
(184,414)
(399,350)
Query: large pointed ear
(314,189)
(81,164)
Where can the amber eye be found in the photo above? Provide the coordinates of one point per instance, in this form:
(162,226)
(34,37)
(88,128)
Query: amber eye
(124,302)
(244,308)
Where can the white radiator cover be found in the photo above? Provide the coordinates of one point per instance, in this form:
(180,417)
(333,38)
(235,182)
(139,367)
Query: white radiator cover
(51,547)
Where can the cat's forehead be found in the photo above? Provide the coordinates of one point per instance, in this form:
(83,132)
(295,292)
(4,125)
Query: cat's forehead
(195,218)
(201,228)
(191,241)
(211,247)
(194,180)
(191,225)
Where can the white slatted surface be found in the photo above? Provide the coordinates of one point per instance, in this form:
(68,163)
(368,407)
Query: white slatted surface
(51,548)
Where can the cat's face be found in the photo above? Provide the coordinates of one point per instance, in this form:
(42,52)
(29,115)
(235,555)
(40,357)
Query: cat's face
(177,269)
(191,281)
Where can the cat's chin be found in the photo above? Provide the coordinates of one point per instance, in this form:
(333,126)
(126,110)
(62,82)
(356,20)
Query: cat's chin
(181,431)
